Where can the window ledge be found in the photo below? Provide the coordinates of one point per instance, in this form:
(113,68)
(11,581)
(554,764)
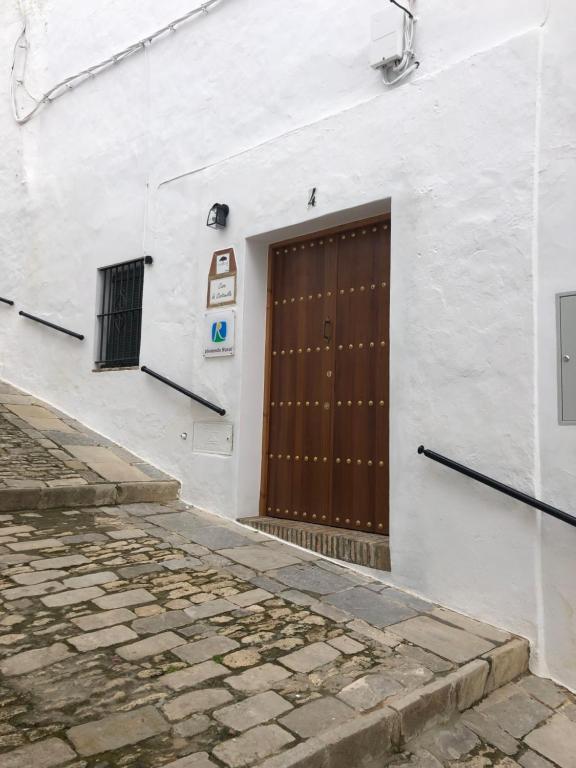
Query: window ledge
(120,368)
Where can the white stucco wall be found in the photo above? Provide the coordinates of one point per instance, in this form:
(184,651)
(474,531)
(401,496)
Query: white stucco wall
(252,105)
(556,270)
(13,195)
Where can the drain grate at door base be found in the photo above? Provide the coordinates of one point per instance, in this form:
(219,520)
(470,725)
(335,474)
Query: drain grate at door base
(369,549)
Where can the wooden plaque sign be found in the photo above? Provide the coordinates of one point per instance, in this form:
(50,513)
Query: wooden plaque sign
(222,279)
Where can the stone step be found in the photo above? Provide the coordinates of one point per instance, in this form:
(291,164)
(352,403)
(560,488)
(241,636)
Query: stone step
(371,740)
(49,460)
(90,495)
(368,549)
(531,721)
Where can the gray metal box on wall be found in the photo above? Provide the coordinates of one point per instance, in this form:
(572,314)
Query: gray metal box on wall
(567,357)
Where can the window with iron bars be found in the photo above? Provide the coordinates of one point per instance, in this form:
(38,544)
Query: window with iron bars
(120,317)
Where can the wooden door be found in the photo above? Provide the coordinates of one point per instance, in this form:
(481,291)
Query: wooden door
(326,416)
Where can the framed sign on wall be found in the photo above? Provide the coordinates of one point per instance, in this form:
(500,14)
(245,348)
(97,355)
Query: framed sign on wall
(219,333)
(222,279)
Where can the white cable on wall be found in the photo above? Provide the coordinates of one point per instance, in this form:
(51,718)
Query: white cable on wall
(395,72)
(20,56)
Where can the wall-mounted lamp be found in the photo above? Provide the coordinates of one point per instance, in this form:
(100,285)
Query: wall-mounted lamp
(218,215)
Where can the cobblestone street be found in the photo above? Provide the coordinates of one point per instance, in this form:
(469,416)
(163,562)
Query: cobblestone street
(155,635)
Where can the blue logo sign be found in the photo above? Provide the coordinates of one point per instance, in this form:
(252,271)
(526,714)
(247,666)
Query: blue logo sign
(219,331)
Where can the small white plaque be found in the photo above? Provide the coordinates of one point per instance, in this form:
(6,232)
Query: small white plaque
(219,332)
(223,264)
(213,437)
(222,290)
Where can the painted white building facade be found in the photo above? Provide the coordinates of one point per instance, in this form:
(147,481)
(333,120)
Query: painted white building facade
(253,104)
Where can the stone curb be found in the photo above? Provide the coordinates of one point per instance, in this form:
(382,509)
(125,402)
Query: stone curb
(92,495)
(149,491)
(369,739)
(364,741)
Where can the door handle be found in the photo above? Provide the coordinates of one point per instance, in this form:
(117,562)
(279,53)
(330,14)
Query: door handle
(327,329)
(566,358)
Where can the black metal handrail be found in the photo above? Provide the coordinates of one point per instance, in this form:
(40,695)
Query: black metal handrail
(506,489)
(186,392)
(52,325)
(7,301)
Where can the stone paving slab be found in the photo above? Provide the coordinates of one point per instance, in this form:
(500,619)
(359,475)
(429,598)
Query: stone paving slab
(193,676)
(310,657)
(314,579)
(374,608)
(34,659)
(203,650)
(199,700)
(253,746)
(152,646)
(318,715)
(102,638)
(368,692)
(254,710)
(556,740)
(117,731)
(446,641)
(44,754)
(260,559)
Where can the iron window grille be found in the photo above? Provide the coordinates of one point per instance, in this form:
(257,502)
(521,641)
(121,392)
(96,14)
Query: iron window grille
(120,318)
